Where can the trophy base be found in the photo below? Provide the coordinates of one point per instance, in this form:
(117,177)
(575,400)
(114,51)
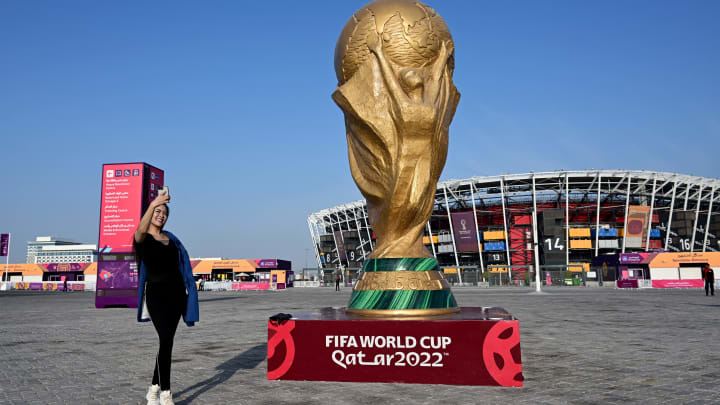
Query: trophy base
(402,312)
(472,346)
(402,287)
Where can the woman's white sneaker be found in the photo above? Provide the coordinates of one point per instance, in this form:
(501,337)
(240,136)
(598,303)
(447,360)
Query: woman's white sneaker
(166,398)
(153,395)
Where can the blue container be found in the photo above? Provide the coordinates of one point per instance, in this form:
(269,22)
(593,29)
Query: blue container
(480,235)
(494,246)
(654,233)
(605,233)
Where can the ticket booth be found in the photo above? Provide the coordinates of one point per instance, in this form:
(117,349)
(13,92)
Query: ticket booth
(281,279)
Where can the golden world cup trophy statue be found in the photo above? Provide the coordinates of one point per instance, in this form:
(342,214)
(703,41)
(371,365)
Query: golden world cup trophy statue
(394,62)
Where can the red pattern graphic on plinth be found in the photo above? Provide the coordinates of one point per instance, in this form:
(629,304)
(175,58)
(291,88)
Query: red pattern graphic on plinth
(498,357)
(477,346)
(280,332)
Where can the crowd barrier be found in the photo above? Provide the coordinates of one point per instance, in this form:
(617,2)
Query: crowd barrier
(297,283)
(229,285)
(217,286)
(52,286)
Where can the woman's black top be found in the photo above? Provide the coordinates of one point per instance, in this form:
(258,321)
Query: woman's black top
(161,260)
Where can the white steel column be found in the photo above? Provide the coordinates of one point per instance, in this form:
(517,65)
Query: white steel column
(337,250)
(505,229)
(707,223)
(567,220)
(627,207)
(315,244)
(535,237)
(697,215)
(687,196)
(432,244)
(452,235)
(672,208)
(359,231)
(477,229)
(597,217)
(347,222)
(318,241)
(317,232)
(342,237)
(367,227)
(652,208)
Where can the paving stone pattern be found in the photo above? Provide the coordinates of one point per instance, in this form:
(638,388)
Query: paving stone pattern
(579,346)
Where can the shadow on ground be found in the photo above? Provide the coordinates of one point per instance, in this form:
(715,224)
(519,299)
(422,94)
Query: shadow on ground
(246,360)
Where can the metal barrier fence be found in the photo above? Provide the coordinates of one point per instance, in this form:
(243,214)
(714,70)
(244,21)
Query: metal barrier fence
(302,283)
(470,276)
(564,278)
(217,286)
(310,274)
(511,276)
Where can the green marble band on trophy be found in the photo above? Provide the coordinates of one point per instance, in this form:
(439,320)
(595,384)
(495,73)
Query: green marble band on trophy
(402,287)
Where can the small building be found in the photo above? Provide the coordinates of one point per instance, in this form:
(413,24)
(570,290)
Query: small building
(49,249)
(27,272)
(264,271)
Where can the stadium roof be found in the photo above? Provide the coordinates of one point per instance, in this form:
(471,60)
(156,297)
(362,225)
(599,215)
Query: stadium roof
(665,183)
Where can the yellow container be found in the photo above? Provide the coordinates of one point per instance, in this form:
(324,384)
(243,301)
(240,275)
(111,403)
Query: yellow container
(426,239)
(494,235)
(450,270)
(621,232)
(581,244)
(578,267)
(579,232)
(498,270)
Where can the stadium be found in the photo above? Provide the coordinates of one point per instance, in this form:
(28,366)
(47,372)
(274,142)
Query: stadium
(563,222)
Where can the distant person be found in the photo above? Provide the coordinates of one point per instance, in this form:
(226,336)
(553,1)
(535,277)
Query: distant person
(202,284)
(337,283)
(709,277)
(64,284)
(166,290)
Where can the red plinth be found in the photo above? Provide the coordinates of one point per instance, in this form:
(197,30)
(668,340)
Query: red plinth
(477,346)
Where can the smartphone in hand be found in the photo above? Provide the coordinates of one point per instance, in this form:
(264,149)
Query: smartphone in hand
(165,190)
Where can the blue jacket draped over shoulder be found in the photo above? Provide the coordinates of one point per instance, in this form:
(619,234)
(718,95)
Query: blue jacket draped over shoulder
(192,311)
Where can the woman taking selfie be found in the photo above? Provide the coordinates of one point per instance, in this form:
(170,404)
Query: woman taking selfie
(166,290)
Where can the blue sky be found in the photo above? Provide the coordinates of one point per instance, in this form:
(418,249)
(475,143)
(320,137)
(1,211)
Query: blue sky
(232,100)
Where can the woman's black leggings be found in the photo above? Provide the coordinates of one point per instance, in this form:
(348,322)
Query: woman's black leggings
(166,304)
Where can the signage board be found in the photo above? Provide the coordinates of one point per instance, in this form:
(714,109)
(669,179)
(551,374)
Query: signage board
(120,206)
(4,243)
(464,231)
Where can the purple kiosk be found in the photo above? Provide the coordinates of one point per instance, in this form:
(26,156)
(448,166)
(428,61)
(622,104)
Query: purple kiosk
(127,189)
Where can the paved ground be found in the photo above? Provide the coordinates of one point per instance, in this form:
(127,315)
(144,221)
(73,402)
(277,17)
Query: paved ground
(579,345)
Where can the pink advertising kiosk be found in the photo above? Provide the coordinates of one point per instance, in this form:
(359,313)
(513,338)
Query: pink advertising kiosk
(127,189)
